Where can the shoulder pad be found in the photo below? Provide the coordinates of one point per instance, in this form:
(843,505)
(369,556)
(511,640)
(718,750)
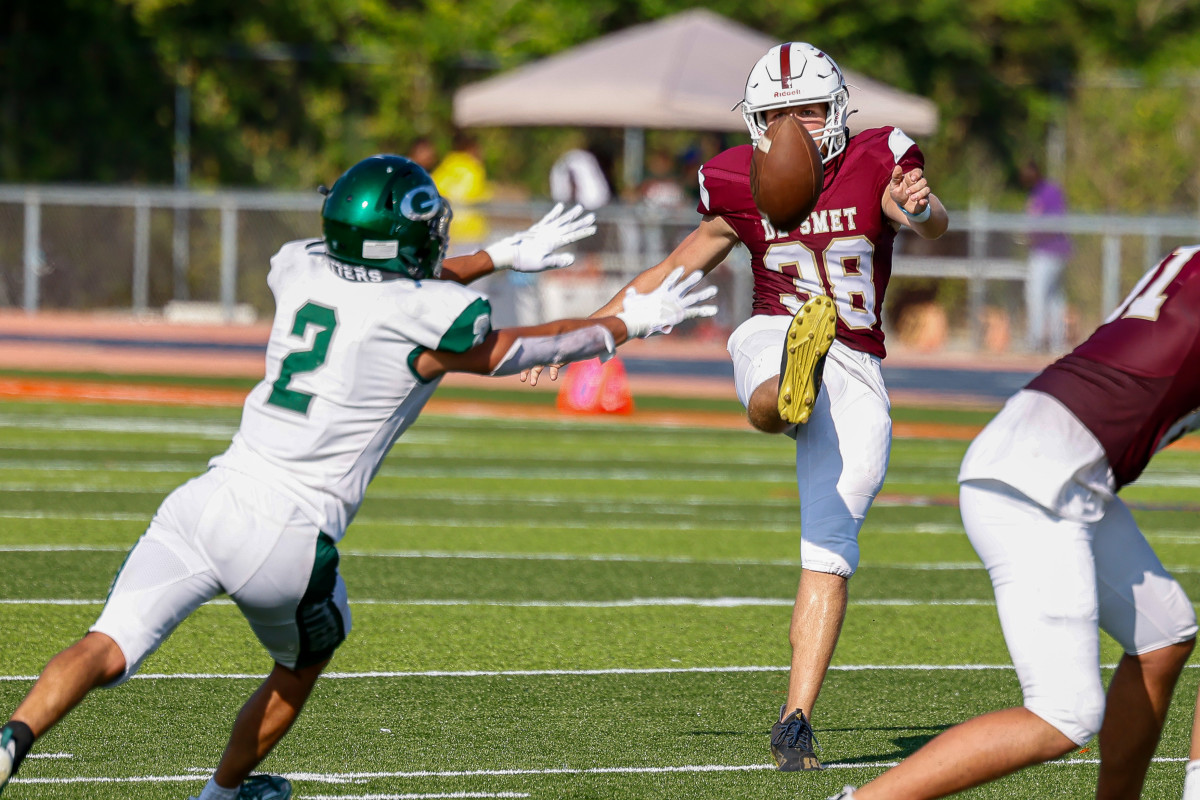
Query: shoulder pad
(725,182)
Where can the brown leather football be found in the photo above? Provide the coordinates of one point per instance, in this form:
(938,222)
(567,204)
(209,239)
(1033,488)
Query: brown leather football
(786,174)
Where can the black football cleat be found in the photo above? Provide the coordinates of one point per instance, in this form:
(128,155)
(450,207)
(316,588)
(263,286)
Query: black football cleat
(808,340)
(792,743)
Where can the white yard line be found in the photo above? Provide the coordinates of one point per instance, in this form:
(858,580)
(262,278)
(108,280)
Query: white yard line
(542,673)
(593,557)
(500,556)
(710,523)
(409,796)
(636,602)
(361,777)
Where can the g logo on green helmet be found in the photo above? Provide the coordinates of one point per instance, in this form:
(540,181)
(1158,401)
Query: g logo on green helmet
(421,203)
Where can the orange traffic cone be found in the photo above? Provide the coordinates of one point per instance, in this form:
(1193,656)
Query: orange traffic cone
(592,387)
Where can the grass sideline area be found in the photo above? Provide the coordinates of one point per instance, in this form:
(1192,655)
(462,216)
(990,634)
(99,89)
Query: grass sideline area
(543,608)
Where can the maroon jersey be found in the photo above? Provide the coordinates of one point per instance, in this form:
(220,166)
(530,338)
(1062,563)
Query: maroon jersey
(1138,375)
(844,248)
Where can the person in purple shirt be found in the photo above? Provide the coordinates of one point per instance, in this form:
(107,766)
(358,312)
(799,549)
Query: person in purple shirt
(1038,497)
(1045,301)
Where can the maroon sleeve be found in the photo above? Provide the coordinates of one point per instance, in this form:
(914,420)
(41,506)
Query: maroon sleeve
(725,183)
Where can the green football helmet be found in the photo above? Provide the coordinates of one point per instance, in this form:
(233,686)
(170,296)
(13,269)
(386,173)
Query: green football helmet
(385,212)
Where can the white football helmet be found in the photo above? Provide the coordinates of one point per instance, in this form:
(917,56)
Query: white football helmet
(792,74)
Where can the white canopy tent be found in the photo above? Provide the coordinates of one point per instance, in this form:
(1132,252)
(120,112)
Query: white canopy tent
(685,72)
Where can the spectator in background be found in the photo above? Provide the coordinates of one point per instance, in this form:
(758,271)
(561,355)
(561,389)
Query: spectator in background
(423,152)
(462,179)
(583,175)
(578,176)
(662,188)
(660,194)
(698,152)
(1045,301)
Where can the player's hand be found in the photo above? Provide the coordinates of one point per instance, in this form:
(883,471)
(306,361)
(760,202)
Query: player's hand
(533,249)
(531,376)
(660,310)
(909,190)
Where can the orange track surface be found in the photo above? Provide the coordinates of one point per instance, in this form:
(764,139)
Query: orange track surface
(33,355)
(104,392)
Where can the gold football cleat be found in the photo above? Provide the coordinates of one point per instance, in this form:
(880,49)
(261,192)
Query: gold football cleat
(808,340)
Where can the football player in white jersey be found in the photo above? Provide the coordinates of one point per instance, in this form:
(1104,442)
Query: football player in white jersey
(368,319)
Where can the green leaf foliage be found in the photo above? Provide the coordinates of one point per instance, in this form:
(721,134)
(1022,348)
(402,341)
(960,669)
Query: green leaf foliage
(286,94)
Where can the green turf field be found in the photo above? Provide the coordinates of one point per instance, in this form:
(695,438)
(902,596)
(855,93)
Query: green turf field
(558,609)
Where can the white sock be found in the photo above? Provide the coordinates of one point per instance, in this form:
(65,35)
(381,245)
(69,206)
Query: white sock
(214,791)
(1191,783)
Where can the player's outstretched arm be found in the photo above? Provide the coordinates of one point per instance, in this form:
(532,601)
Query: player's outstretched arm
(535,249)
(509,351)
(701,251)
(465,269)
(698,254)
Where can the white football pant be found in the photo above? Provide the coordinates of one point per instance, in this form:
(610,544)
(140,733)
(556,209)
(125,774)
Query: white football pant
(841,452)
(1058,582)
(224,532)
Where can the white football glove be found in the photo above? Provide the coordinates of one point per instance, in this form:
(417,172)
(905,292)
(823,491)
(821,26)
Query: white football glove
(660,310)
(532,250)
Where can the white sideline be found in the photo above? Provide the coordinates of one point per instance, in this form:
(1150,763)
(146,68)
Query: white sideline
(409,796)
(540,673)
(354,777)
(450,795)
(637,602)
(948,566)
(500,556)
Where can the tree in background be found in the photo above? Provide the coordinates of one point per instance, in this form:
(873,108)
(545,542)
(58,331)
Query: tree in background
(284,94)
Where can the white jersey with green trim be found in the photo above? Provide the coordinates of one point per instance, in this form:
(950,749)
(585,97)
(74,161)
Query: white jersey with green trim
(339,386)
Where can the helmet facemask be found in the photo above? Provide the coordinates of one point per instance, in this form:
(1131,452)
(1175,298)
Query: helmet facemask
(795,74)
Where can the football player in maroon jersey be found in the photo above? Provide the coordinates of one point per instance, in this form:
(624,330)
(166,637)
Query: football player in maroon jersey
(839,261)
(1066,558)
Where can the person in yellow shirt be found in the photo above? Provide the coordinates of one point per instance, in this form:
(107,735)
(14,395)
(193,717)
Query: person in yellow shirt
(462,179)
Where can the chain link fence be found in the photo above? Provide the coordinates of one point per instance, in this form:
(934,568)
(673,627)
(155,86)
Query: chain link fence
(166,252)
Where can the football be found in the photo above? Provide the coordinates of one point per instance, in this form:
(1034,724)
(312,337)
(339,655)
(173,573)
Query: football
(786,174)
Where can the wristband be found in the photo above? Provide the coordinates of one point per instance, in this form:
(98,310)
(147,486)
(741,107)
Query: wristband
(924,215)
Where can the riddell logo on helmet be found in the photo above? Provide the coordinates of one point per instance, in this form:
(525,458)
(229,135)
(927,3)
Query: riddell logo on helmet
(792,93)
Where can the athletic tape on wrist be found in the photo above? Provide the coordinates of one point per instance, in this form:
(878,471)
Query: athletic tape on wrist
(535,351)
(924,215)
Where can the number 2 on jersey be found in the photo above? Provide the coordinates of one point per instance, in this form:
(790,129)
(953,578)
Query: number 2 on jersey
(304,360)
